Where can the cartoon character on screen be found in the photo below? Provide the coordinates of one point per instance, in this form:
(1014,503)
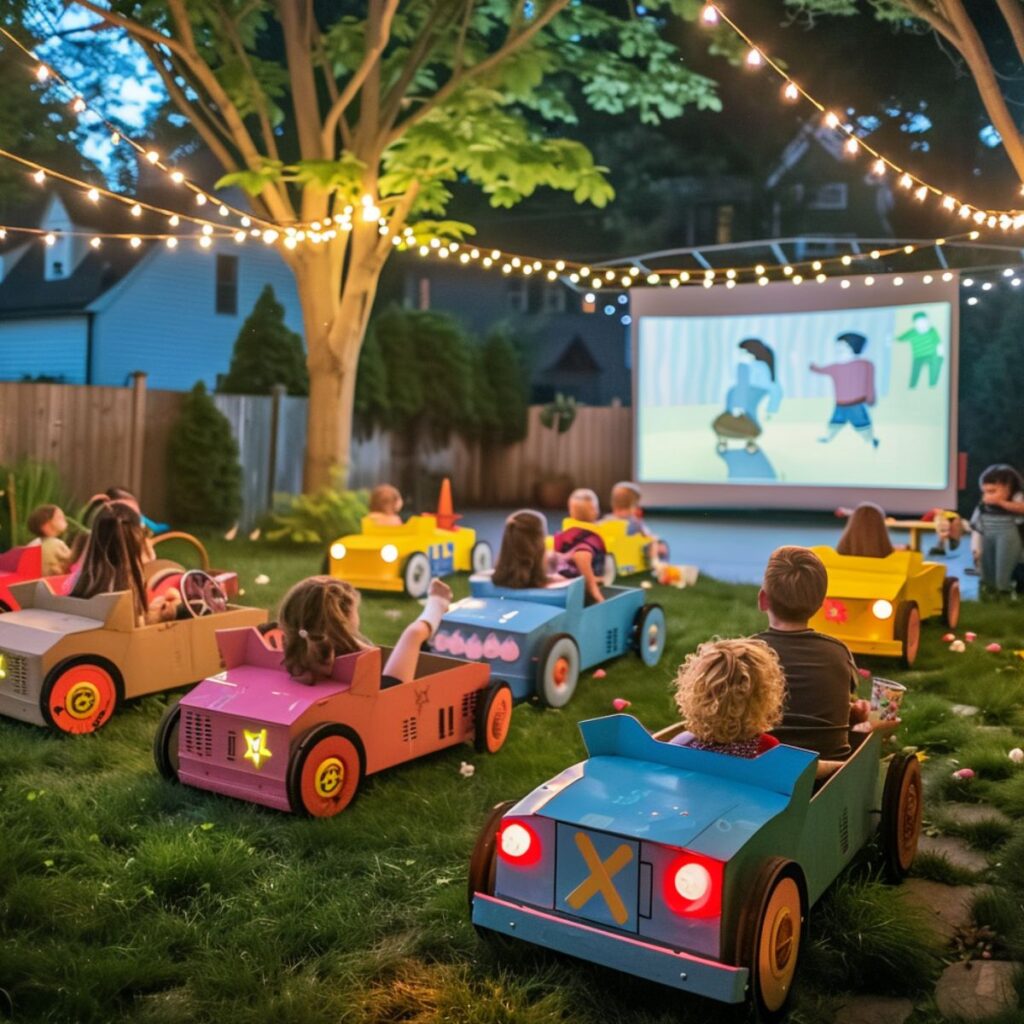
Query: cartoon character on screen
(755,381)
(926,349)
(853,379)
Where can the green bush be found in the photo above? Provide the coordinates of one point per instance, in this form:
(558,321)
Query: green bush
(203,475)
(266,353)
(23,486)
(318,518)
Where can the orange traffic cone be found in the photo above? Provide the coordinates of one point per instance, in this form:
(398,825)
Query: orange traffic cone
(445,515)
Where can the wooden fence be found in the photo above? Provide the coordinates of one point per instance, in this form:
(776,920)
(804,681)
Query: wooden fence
(98,436)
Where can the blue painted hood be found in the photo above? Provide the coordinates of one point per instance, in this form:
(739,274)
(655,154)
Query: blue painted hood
(509,616)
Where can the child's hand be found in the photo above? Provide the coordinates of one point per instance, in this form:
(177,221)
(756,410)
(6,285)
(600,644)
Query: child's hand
(438,588)
(859,711)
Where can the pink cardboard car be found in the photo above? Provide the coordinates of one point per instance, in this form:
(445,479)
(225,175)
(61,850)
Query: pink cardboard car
(254,733)
(22,565)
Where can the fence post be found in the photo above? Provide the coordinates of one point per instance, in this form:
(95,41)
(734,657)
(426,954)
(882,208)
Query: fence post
(137,444)
(277,393)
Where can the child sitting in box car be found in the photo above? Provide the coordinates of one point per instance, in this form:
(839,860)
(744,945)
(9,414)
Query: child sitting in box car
(579,551)
(47,523)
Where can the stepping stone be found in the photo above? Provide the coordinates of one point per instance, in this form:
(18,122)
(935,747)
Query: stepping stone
(971,814)
(874,1010)
(955,850)
(964,710)
(946,907)
(977,990)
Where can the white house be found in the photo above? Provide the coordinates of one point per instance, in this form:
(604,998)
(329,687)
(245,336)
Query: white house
(81,315)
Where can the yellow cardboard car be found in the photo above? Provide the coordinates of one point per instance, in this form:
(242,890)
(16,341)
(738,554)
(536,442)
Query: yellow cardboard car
(875,605)
(626,553)
(406,557)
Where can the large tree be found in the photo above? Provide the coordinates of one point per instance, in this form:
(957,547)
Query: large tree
(976,33)
(318,105)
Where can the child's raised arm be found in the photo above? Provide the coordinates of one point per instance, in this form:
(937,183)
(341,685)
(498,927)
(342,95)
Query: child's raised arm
(584,561)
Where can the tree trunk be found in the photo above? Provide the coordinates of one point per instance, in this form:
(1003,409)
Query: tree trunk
(335,317)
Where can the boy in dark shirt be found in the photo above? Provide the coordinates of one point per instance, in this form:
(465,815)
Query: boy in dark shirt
(821,678)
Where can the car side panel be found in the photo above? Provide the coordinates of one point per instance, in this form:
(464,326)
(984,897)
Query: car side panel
(605,630)
(925,587)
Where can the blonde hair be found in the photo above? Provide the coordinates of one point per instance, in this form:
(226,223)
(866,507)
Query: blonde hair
(730,690)
(866,534)
(316,618)
(625,495)
(385,498)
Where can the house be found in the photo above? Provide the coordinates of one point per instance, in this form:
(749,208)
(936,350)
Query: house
(74,313)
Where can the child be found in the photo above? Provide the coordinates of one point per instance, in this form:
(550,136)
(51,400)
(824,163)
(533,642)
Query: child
(385,504)
(581,551)
(320,621)
(625,502)
(522,560)
(47,523)
(821,678)
(730,694)
(113,562)
(997,520)
(865,534)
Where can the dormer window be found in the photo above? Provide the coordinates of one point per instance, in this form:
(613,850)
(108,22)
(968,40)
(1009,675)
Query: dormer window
(57,268)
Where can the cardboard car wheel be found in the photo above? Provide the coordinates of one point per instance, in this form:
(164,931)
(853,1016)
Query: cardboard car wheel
(325,771)
(165,744)
(902,812)
(771,943)
(951,601)
(908,631)
(482,865)
(416,575)
(558,670)
(80,696)
(610,571)
(481,558)
(650,634)
(493,717)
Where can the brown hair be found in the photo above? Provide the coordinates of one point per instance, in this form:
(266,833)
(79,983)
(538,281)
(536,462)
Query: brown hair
(730,690)
(39,517)
(625,495)
(865,534)
(113,556)
(316,619)
(795,583)
(521,558)
(384,498)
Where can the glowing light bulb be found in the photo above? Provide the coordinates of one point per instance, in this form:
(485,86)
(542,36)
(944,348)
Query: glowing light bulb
(174,220)
(50,239)
(964,211)
(878,167)
(948,203)
(135,241)
(820,278)
(790,92)
(908,249)
(787,270)
(762,281)
(869,281)
(245,222)
(852,146)
(77,105)
(207,229)
(94,195)
(153,156)
(921,193)
(42,73)
(39,177)
(831,120)
(177,177)
(204,242)
(927,279)
(897,282)
(875,254)
(947,276)
(270,236)
(172,243)
(797,279)
(754,58)
(136,210)
(115,138)
(223,210)
(709,15)
(759,269)
(906,181)
(816,265)
(240,236)
(200,199)
(684,276)
(846,260)
(730,274)
(845,283)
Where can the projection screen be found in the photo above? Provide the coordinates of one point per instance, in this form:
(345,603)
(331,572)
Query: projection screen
(801,396)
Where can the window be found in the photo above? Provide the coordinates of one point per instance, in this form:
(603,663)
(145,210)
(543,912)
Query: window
(227,285)
(57,268)
(723,224)
(832,196)
(553,297)
(517,295)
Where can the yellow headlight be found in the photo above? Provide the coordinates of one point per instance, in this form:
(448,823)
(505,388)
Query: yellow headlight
(337,551)
(3,667)
(881,609)
(389,553)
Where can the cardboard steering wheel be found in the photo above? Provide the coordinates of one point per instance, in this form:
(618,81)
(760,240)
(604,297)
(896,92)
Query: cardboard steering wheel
(201,594)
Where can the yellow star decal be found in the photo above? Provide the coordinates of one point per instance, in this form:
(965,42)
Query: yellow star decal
(256,747)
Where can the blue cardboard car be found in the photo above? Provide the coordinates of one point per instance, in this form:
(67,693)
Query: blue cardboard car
(539,640)
(685,867)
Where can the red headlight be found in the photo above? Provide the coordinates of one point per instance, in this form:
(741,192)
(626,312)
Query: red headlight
(692,885)
(518,843)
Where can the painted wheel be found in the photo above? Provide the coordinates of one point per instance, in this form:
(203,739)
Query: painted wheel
(481,558)
(611,570)
(951,601)
(325,771)
(273,635)
(416,575)
(650,634)
(902,811)
(482,860)
(558,670)
(80,696)
(771,942)
(165,744)
(493,717)
(908,631)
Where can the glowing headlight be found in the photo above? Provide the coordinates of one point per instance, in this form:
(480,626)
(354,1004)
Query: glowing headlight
(515,841)
(692,881)
(389,553)
(881,609)
(337,551)
(3,667)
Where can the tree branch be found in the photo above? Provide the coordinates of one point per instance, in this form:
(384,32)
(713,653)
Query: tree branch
(417,56)
(922,10)
(296,19)
(1014,15)
(459,78)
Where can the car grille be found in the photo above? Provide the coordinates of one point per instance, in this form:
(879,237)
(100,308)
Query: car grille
(17,673)
(409,730)
(469,704)
(198,734)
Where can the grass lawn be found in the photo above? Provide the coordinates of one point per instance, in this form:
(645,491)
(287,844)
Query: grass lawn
(125,898)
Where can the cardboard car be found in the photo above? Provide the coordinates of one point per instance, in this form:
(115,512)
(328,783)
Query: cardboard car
(684,867)
(540,639)
(67,663)
(254,733)
(876,605)
(23,565)
(406,558)
(625,554)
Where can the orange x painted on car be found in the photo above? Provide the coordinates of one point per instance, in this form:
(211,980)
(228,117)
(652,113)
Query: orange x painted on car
(600,878)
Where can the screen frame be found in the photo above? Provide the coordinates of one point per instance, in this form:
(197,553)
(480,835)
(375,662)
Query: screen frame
(808,297)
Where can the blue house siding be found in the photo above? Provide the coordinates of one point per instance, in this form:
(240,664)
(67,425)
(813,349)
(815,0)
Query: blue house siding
(162,317)
(44,347)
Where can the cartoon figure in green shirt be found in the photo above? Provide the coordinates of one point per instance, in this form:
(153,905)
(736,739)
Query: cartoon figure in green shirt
(926,348)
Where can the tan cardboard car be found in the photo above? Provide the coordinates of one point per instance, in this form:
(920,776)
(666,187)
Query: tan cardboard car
(67,662)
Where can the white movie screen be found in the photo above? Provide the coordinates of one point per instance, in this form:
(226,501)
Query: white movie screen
(846,397)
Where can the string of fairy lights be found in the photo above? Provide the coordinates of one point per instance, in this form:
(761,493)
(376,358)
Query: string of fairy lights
(588,279)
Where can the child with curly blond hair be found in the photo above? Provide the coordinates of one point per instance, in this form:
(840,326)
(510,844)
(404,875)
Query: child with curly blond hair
(730,694)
